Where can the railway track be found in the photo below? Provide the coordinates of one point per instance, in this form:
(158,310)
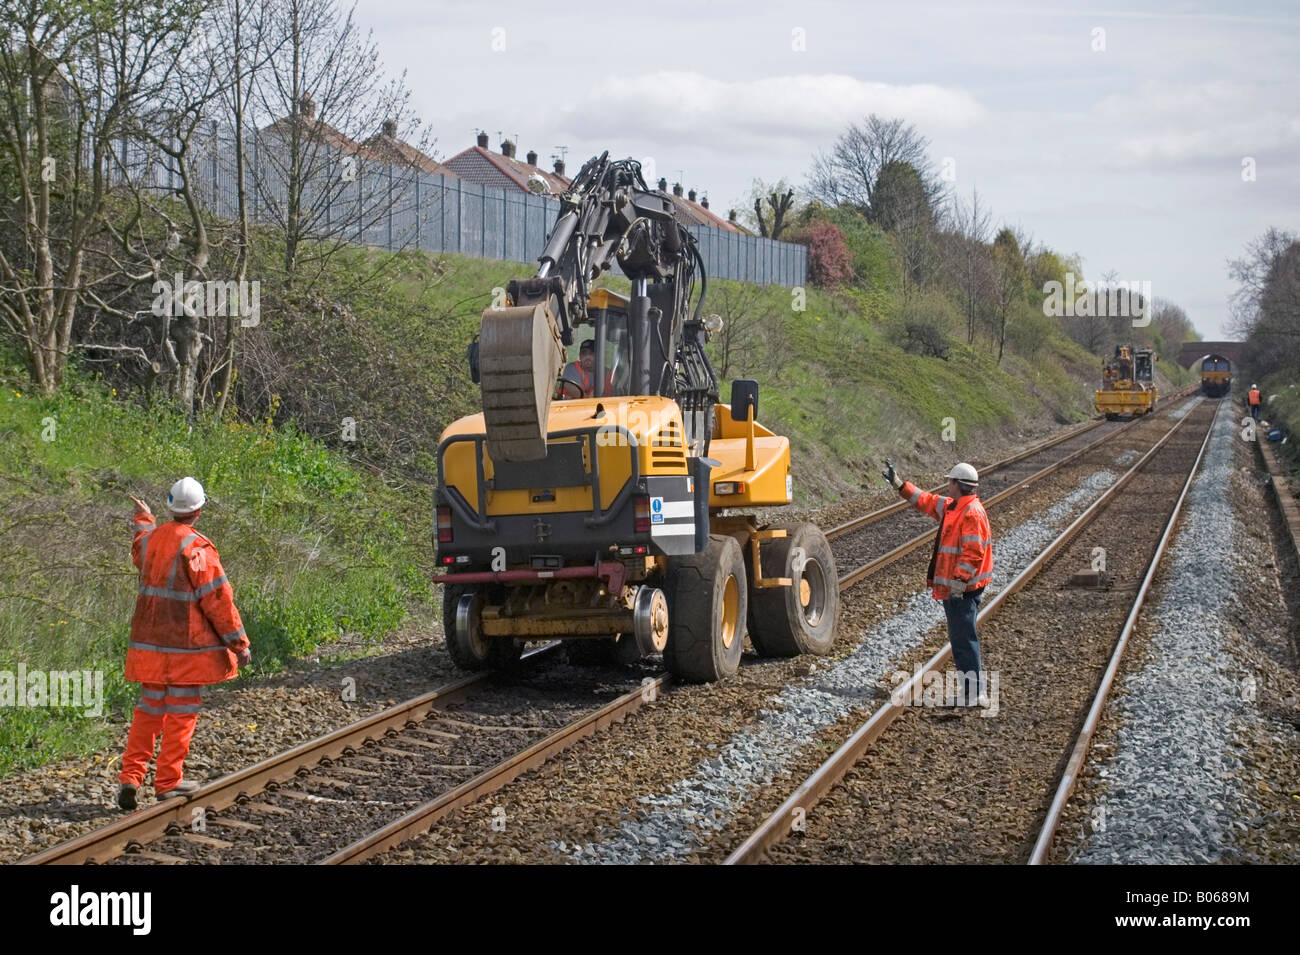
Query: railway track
(1000,769)
(351,795)
(346,796)
(874,541)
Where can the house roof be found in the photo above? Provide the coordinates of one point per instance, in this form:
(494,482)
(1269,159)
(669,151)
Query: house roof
(692,213)
(477,164)
(391,149)
(318,129)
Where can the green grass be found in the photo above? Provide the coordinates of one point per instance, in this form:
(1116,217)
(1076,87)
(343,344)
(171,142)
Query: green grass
(315,549)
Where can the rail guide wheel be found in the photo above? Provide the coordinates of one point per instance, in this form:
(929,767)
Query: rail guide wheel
(708,605)
(803,617)
(470,648)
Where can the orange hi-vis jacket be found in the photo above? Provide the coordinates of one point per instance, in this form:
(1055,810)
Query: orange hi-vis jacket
(186,629)
(964,546)
(1253,396)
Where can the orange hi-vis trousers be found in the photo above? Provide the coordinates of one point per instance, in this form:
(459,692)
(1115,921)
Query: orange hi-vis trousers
(172,711)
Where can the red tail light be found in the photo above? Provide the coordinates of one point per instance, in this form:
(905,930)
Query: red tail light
(641,504)
(444,525)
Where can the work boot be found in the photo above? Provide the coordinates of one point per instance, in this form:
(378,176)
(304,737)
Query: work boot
(126,797)
(184,788)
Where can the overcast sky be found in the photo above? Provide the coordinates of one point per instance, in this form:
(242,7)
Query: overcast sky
(1130,156)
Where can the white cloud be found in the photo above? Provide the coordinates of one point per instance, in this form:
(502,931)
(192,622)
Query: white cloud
(718,114)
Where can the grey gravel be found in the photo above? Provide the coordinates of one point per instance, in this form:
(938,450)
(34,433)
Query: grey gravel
(1172,774)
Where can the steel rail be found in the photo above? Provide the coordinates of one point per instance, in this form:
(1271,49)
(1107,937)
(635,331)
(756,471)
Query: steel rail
(778,824)
(420,819)
(146,825)
(1079,753)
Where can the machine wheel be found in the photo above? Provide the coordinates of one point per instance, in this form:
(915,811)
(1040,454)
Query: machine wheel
(1112,417)
(469,648)
(801,618)
(708,606)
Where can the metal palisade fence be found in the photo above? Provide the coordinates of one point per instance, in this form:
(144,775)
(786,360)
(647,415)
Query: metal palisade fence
(361,199)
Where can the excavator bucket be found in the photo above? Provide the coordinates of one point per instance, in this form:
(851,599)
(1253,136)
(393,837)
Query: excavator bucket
(519,359)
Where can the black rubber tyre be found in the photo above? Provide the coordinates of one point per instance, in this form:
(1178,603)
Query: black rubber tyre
(801,618)
(708,605)
(475,654)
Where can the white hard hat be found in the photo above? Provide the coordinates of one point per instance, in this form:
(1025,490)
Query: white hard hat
(185,497)
(965,473)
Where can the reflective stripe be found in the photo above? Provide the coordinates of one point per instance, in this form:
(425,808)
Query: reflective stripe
(153,694)
(145,708)
(185,691)
(915,494)
(142,527)
(176,562)
(182,707)
(186,596)
(232,637)
(949,550)
(982,577)
(966,567)
(210,586)
(974,539)
(136,645)
(946,582)
(144,549)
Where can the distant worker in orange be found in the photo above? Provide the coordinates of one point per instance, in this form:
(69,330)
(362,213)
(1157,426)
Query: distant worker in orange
(1253,397)
(185,635)
(961,565)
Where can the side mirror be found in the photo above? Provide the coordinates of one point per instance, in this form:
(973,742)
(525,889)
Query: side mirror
(471,356)
(744,395)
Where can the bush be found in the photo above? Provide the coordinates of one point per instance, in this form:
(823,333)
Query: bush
(829,262)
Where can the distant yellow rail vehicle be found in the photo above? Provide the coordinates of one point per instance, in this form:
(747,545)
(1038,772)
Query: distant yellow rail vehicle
(1128,386)
(1216,375)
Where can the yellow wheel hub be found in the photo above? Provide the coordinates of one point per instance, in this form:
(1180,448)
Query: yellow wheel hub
(730,612)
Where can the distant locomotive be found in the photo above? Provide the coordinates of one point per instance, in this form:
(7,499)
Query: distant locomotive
(1216,376)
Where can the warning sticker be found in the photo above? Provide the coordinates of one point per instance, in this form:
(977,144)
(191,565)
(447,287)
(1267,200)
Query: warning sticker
(656,510)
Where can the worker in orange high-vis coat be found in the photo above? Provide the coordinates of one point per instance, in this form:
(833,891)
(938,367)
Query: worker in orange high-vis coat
(1253,397)
(186,634)
(961,565)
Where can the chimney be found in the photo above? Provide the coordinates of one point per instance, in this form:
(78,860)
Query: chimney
(307,106)
(508,149)
(532,157)
(483,140)
(731,215)
(390,129)
(691,195)
(705,202)
(559,167)
(677,189)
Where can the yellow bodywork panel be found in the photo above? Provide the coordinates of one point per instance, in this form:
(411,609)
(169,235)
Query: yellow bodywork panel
(1125,402)
(654,423)
(764,470)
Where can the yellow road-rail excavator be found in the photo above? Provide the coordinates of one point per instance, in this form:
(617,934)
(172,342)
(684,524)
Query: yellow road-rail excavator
(618,520)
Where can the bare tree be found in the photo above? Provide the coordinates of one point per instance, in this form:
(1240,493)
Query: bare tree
(329,93)
(73,76)
(773,205)
(848,174)
(737,344)
(968,258)
(1008,282)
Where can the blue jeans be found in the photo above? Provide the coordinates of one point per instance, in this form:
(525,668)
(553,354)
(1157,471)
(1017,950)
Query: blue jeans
(1254,412)
(961,612)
